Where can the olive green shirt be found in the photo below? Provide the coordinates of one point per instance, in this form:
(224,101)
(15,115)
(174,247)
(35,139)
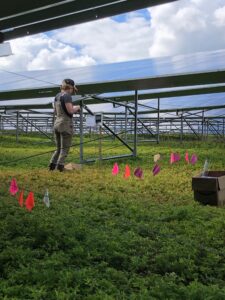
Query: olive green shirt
(63,119)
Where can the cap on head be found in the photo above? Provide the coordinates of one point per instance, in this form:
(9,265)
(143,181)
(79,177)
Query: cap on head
(69,82)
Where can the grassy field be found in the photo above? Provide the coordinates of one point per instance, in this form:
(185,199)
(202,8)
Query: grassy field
(105,237)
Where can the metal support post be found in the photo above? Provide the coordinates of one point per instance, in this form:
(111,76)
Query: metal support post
(81,133)
(181,127)
(158,118)
(100,142)
(202,124)
(27,123)
(115,125)
(17,126)
(135,122)
(126,110)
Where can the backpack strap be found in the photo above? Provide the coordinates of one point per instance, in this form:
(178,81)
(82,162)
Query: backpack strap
(64,107)
(54,107)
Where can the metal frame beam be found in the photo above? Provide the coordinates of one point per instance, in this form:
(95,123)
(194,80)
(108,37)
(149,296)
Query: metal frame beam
(54,17)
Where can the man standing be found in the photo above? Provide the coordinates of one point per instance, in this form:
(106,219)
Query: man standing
(63,125)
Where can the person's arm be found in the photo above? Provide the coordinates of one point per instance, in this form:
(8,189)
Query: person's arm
(72,109)
(76,109)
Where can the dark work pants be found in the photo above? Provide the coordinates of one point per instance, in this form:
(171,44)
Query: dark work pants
(63,142)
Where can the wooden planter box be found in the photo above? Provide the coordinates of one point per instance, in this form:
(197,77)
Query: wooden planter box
(210,189)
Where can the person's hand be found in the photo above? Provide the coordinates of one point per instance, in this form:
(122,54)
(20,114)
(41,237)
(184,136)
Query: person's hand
(76,109)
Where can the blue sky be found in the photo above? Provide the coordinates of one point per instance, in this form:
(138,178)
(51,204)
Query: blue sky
(177,28)
(123,17)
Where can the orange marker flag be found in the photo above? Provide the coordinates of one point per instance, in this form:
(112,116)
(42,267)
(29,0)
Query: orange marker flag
(20,200)
(127,172)
(30,201)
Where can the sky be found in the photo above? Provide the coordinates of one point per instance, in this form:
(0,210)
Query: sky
(182,27)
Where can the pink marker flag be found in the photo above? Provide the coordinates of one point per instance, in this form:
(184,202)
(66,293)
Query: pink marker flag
(127,172)
(176,157)
(172,158)
(156,170)
(194,159)
(13,187)
(115,169)
(138,173)
(30,201)
(187,157)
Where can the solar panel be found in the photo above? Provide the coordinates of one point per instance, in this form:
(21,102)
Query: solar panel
(205,69)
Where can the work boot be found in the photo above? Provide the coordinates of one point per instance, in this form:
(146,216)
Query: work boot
(51,167)
(60,168)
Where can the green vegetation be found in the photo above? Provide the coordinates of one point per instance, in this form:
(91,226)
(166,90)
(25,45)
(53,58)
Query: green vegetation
(105,237)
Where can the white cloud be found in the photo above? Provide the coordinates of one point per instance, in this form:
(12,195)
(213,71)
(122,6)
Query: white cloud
(43,52)
(110,41)
(180,27)
(187,26)
(220,16)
